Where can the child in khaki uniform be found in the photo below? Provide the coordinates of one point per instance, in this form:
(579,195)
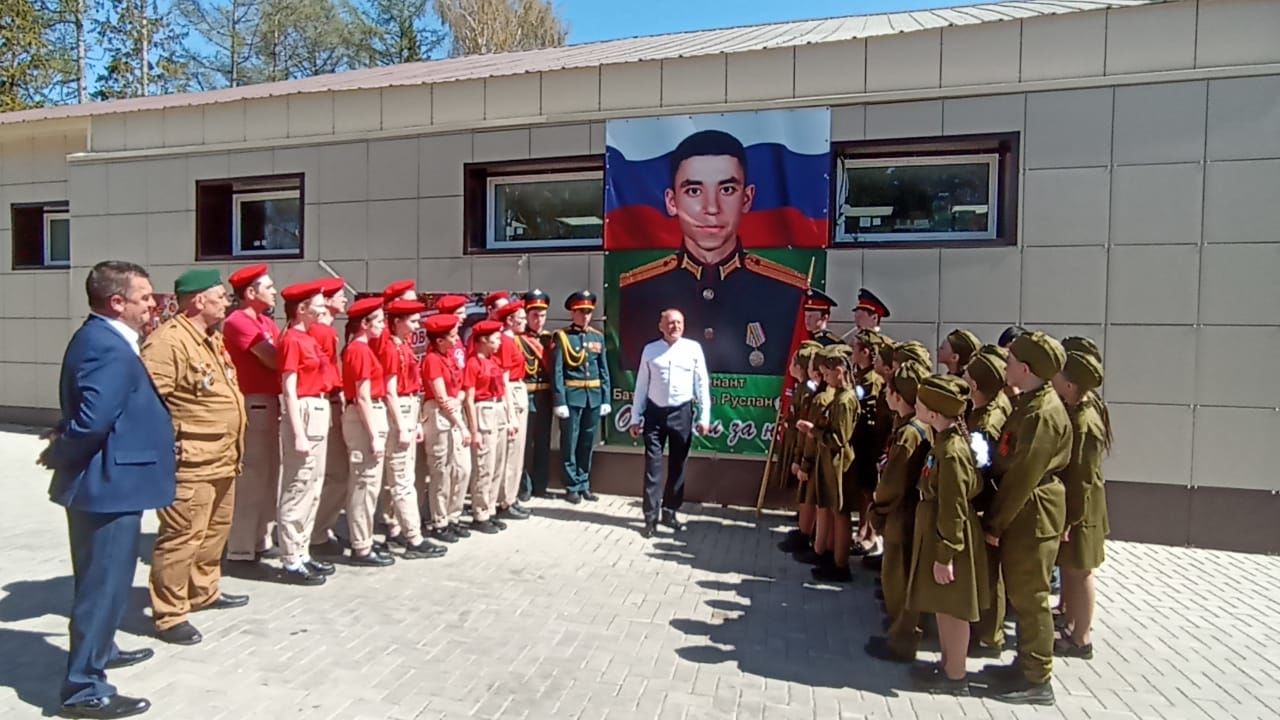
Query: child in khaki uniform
(827,458)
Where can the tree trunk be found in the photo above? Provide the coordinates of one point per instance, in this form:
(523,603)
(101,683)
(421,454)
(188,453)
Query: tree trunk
(82,86)
(144,49)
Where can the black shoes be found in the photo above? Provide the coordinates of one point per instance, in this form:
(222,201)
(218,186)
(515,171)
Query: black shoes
(514,512)
(931,679)
(572,498)
(650,529)
(832,574)
(321,567)
(1066,647)
(444,535)
(301,576)
(397,540)
(328,548)
(225,601)
(460,531)
(181,634)
(809,557)
(1024,692)
(424,550)
(590,496)
(671,520)
(795,541)
(372,558)
(497,522)
(879,648)
(113,706)
(126,658)
(488,527)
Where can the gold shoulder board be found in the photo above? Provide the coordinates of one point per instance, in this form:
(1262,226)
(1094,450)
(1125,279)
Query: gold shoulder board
(776,271)
(648,270)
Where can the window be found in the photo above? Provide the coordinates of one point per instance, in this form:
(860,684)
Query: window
(249,217)
(947,192)
(533,206)
(41,235)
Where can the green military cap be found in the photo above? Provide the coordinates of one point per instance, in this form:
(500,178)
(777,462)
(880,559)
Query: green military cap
(835,355)
(1042,353)
(1083,369)
(811,345)
(196,280)
(886,349)
(906,380)
(804,356)
(870,339)
(987,370)
(912,351)
(963,343)
(1080,344)
(944,394)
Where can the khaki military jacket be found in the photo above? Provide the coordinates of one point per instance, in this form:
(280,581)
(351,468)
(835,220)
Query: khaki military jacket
(1032,453)
(894,502)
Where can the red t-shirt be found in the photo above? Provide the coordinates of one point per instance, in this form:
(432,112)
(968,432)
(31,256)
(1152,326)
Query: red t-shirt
(408,379)
(241,333)
(485,376)
(436,365)
(385,348)
(360,363)
(327,338)
(301,354)
(511,357)
(460,355)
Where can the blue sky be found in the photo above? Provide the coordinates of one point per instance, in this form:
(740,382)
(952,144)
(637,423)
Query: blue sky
(593,20)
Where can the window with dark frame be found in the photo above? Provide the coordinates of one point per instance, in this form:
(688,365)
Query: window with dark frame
(41,235)
(250,217)
(956,191)
(532,206)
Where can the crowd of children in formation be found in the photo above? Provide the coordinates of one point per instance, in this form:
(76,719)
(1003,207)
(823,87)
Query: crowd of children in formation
(970,487)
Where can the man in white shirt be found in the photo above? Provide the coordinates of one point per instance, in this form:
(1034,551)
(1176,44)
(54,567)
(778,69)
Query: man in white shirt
(671,380)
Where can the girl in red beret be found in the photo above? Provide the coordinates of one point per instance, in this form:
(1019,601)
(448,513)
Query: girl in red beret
(364,427)
(487,414)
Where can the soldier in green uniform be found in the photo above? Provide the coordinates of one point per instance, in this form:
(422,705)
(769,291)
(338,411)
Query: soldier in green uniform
(868,439)
(1082,550)
(828,456)
(1028,512)
(957,349)
(579,392)
(535,344)
(817,313)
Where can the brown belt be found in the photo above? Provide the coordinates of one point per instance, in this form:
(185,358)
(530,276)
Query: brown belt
(582,383)
(536,386)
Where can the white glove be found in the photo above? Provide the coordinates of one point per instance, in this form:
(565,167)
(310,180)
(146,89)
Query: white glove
(561,411)
(605,409)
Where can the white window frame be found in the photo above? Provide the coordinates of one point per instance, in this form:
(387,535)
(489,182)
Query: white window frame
(49,217)
(238,198)
(993,198)
(491,221)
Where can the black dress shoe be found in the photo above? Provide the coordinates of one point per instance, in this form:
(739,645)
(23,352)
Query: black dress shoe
(373,558)
(879,648)
(497,522)
(320,567)
(515,512)
(181,634)
(459,530)
(650,529)
(572,498)
(397,540)
(125,658)
(1024,692)
(671,520)
(831,574)
(485,526)
(590,496)
(444,535)
(225,601)
(1066,647)
(795,541)
(424,550)
(113,706)
(809,557)
(301,576)
(382,548)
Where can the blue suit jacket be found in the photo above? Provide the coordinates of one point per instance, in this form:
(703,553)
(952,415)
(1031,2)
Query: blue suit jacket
(114,449)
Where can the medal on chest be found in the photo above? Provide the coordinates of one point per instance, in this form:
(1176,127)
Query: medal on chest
(755,338)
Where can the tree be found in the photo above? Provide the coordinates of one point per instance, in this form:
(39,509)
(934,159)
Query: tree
(492,26)
(391,32)
(143,50)
(304,38)
(30,63)
(227,28)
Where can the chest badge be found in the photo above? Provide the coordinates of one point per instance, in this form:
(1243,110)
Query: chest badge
(755,338)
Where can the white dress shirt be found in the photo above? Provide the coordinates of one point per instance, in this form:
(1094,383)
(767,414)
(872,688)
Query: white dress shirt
(671,375)
(130,335)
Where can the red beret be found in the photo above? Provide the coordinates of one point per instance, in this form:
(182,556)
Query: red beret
(508,310)
(246,276)
(332,286)
(486,327)
(494,297)
(301,291)
(363,307)
(440,325)
(402,308)
(397,288)
(451,303)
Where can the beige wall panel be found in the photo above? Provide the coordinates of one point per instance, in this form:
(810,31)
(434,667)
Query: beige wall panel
(844,277)
(571,91)
(501,145)
(1134,377)
(1156,204)
(127,187)
(693,80)
(47,377)
(76,141)
(981,54)
(560,141)
(906,61)
(311,114)
(1236,366)
(1242,202)
(144,130)
(597,138)
(224,123)
(344,173)
(183,126)
(48,158)
(204,167)
(440,161)
(266,118)
(250,164)
(445,275)
(1066,207)
(1244,118)
(561,275)
(23,378)
(19,294)
(459,101)
(1160,123)
(1153,446)
(1153,284)
(1240,285)
(761,74)
(995,113)
(980,285)
(87,183)
(1063,46)
(1064,285)
(305,160)
(342,231)
(354,272)
(23,328)
(310,221)
(51,304)
(357,111)
(405,106)
(171,237)
(84,255)
(831,68)
(848,122)
(393,229)
(34,192)
(1151,38)
(50,341)
(1239,32)
(906,280)
(393,169)
(107,133)
(513,96)
(1071,128)
(126,239)
(909,119)
(440,227)
(1235,448)
(6,251)
(926,333)
(500,272)
(631,85)
(17,161)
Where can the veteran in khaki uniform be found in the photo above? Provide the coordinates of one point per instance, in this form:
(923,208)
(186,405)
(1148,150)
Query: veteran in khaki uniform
(193,374)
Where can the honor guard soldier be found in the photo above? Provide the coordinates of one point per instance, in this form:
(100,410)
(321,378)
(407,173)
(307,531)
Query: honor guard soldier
(580,392)
(535,344)
(869,311)
(817,313)
(194,376)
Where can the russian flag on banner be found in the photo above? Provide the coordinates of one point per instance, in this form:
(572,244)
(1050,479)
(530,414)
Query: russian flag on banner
(788,161)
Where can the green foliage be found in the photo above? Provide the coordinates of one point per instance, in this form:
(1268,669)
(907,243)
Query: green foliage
(478,27)
(30,62)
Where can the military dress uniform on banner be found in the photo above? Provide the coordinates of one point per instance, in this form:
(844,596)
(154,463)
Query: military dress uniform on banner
(580,384)
(535,347)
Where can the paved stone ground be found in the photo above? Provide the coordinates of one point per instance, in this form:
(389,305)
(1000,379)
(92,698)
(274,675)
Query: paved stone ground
(573,615)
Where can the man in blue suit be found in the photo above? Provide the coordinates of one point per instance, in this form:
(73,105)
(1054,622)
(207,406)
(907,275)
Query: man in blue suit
(112,457)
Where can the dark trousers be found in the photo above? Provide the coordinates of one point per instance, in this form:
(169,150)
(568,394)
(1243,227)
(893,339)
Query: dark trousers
(577,441)
(104,555)
(537,448)
(665,426)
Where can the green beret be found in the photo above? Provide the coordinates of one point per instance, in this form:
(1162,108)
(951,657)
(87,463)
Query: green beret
(1042,353)
(1083,369)
(906,381)
(944,394)
(196,280)
(912,351)
(987,370)
(963,343)
(1082,345)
